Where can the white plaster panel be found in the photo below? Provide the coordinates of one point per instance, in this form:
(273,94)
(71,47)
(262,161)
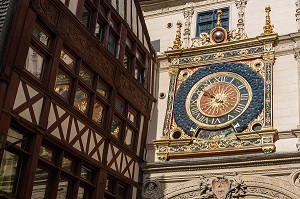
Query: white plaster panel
(157,28)
(285,92)
(160,108)
(140,135)
(286,145)
(282,16)
(134,192)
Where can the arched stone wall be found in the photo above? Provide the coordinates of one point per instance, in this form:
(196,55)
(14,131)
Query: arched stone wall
(258,187)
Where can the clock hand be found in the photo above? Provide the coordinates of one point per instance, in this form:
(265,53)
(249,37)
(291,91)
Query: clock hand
(208,94)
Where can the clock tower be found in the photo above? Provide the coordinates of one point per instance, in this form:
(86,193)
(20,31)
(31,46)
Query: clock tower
(219,95)
(223,102)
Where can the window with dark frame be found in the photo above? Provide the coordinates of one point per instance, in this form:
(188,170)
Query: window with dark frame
(115,189)
(70,69)
(86,16)
(38,54)
(125,123)
(107,31)
(13,161)
(74,171)
(207,20)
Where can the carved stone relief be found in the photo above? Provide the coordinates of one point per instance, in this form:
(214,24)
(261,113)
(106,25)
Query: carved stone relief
(225,187)
(151,189)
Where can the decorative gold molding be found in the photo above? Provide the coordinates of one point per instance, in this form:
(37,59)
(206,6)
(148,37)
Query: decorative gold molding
(222,47)
(177,42)
(219,14)
(173,70)
(268,28)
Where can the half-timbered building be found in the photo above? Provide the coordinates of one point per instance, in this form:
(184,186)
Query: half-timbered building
(76,94)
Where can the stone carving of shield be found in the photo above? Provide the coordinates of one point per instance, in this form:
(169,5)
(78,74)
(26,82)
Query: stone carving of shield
(220,187)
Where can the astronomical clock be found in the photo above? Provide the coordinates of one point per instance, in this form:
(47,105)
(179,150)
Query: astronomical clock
(220,95)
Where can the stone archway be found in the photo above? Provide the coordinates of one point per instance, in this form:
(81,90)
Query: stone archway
(258,187)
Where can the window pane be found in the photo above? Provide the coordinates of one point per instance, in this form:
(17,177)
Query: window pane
(129,42)
(128,136)
(67,59)
(86,14)
(98,112)
(138,74)
(132,116)
(99,30)
(85,75)
(62,191)
(14,136)
(102,89)
(121,191)
(112,43)
(127,62)
(86,173)
(140,56)
(67,164)
(114,24)
(109,185)
(120,106)
(81,100)
(40,35)
(9,172)
(34,63)
(40,184)
(46,153)
(62,85)
(206,21)
(116,126)
(83,193)
(102,9)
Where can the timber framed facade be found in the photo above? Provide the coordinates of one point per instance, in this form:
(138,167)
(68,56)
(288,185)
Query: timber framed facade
(76,93)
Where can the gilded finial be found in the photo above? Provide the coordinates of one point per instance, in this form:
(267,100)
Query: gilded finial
(268,28)
(177,42)
(219,14)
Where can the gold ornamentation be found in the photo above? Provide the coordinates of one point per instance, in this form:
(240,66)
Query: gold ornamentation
(173,70)
(269,57)
(268,28)
(219,55)
(183,75)
(177,42)
(202,40)
(219,14)
(258,120)
(177,133)
(236,34)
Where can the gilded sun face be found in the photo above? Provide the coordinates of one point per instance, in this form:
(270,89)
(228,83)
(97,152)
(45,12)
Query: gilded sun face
(218,99)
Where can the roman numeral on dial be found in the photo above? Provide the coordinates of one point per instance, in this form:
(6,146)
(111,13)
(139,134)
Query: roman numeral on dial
(240,108)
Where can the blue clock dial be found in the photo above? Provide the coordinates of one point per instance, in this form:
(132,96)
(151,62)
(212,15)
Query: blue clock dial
(217,96)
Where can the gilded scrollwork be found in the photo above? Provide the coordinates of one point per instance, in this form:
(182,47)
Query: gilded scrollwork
(202,40)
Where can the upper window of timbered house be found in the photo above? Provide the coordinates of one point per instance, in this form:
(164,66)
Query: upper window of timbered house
(79,85)
(107,20)
(38,54)
(125,124)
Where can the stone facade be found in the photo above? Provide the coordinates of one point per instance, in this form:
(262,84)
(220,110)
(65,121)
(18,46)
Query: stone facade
(248,176)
